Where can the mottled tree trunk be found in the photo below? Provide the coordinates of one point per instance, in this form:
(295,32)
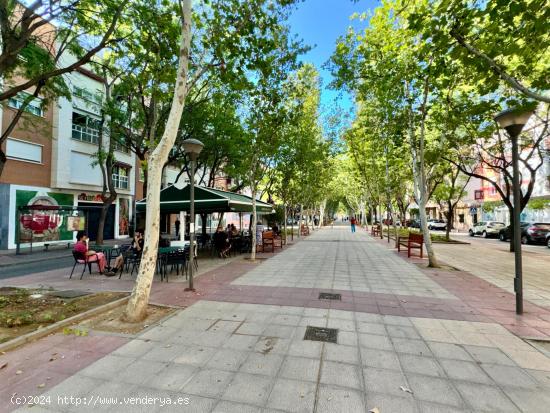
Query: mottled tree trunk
(136,310)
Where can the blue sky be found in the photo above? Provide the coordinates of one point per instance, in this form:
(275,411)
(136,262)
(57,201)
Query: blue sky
(319,23)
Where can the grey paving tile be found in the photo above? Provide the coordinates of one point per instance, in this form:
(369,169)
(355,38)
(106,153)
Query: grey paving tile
(333,399)
(209,338)
(390,403)
(509,376)
(421,365)
(485,398)
(195,355)
(384,381)
(230,407)
(380,359)
(489,355)
(265,364)
(529,401)
(371,328)
(134,348)
(341,353)
(224,325)
(107,367)
(396,320)
(409,346)
(292,396)
(300,368)
(165,352)
(241,342)
(208,383)
(402,332)
(433,389)
(197,404)
(139,371)
(375,341)
(227,359)
(173,377)
(305,348)
(341,375)
(348,338)
(248,388)
(464,370)
(449,351)
(251,328)
(273,345)
(286,320)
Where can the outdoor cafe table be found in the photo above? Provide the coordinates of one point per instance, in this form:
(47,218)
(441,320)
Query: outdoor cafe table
(110,251)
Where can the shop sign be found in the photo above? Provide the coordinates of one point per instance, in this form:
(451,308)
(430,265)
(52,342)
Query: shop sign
(90,197)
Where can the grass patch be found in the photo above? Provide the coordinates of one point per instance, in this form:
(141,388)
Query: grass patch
(25,310)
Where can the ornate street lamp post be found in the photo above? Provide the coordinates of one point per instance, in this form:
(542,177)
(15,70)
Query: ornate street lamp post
(192,148)
(513,120)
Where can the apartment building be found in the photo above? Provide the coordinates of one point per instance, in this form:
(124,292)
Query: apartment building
(51,161)
(479,192)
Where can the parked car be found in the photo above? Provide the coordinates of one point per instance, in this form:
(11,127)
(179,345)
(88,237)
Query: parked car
(415,223)
(437,224)
(505,233)
(486,229)
(535,233)
(548,240)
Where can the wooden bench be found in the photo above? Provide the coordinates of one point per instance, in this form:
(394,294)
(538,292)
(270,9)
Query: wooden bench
(414,241)
(268,239)
(375,230)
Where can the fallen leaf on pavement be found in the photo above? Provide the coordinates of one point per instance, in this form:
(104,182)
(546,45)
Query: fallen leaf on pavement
(3,365)
(405,389)
(375,410)
(41,385)
(19,372)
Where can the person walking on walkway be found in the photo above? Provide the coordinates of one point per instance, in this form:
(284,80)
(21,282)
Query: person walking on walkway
(353,221)
(177,223)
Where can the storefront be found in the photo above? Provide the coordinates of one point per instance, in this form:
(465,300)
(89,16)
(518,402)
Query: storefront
(40,216)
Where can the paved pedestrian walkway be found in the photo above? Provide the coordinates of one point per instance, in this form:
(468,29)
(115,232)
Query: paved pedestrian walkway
(494,263)
(407,340)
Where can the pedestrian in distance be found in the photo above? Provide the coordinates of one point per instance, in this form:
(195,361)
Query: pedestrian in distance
(353,221)
(177,223)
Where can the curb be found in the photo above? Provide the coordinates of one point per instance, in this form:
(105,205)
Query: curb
(33,260)
(34,335)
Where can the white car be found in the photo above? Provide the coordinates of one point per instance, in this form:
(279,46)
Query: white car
(437,224)
(487,229)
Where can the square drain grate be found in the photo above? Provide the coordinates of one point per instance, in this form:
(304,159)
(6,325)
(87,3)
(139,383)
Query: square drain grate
(330,296)
(328,335)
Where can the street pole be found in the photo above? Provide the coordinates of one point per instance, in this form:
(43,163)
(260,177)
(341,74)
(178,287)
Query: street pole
(192,224)
(513,120)
(192,148)
(518,280)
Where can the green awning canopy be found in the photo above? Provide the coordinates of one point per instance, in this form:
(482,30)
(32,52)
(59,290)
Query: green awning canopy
(207,200)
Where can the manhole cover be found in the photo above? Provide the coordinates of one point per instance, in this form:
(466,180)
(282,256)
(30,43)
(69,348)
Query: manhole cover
(69,293)
(328,335)
(330,296)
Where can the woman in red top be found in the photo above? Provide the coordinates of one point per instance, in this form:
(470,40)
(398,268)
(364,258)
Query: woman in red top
(81,247)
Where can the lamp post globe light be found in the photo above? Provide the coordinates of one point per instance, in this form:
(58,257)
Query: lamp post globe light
(192,148)
(513,120)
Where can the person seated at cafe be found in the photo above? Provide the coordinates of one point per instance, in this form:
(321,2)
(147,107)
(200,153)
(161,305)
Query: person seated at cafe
(221,242)
(136,248)
(81,247)
(275,229)
(233,231)
(163,242)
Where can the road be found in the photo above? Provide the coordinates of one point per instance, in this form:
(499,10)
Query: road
(35,267)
